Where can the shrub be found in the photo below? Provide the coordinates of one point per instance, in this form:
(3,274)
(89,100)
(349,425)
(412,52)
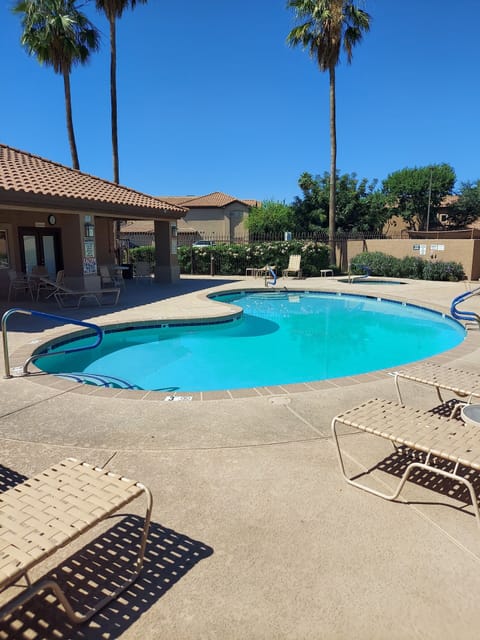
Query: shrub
(382,264)
(412,267)
(233,259)
(142,254)
(451,271)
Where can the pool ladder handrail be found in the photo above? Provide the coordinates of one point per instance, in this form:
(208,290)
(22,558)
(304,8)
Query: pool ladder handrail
(367,271)
(464,315)
(270,272)
(50,316)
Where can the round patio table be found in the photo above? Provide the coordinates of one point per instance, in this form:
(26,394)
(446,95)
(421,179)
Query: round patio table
(471,414)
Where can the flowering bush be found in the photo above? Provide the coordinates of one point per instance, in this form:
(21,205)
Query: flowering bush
(234,259)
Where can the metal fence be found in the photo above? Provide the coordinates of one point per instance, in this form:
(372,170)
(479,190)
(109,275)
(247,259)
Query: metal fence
(187,239)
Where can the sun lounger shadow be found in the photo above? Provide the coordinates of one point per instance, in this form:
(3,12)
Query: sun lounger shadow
(396,463)
(10,478)
(98,566)
(429,450)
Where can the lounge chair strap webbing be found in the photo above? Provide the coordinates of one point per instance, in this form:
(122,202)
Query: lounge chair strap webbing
(447,439)
(51,509)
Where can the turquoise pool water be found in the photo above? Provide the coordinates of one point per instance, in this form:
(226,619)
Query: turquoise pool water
(281,338)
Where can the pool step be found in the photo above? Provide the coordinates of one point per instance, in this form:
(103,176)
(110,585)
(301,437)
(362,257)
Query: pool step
(98,380)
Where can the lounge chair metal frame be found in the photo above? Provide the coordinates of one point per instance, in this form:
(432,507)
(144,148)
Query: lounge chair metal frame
(49,511)
(463,384)
(50,286)
(64,294)
(439,438)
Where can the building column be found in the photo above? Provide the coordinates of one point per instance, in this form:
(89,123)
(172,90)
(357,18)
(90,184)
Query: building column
(166,261)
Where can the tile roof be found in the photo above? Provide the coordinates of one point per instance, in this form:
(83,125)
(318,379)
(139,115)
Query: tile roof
(146,226)
(215,199)
(27,179)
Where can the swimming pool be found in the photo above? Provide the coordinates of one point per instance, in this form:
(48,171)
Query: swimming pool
(280,338)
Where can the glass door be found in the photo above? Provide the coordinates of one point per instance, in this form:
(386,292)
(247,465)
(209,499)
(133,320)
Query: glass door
(41,246)
(49,254)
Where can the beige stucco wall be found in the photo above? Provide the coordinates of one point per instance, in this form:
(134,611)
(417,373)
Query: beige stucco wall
(104,244)
(71,227)
(205,221)
(467,252)
(11,220)
(226,223)
(166,260)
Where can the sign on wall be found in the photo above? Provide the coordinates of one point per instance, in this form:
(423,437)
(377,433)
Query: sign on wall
(89,265)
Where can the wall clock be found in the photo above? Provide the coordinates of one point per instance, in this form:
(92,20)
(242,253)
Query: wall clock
(51,219)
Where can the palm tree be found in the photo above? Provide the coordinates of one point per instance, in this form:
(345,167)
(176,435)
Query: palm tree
(60,36)
(114,9)
(325,27)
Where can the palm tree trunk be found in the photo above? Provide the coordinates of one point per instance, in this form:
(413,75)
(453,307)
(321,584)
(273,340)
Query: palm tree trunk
(114,123)
(113,98)
(333,168)
(69,118)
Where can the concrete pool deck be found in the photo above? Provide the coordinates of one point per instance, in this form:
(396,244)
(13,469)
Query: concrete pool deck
(255,533)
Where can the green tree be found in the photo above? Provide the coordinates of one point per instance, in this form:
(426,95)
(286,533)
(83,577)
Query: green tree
(311,210)
(360,206)
(113,10)
(416,194)
(271,217)
(325,27)
(467,208)
(59,36)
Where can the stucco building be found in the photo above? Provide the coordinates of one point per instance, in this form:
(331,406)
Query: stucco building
(62,218)
(215,216)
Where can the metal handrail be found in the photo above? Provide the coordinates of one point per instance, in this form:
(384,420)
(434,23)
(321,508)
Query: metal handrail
(271,272)
(50,316)
(464,315)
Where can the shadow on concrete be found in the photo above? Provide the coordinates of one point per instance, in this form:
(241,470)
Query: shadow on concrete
(135,294)
(396,464)
(97,567)
(10,478)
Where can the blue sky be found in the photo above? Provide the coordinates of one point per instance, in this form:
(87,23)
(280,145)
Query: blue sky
(211,98)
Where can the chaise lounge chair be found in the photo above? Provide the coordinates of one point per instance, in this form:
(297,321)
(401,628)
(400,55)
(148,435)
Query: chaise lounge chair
(46,513)
(103,297)
(293,267)
(437,437)
(464,384)
(50,286)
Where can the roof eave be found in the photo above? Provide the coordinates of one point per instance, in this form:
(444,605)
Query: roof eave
(74,205)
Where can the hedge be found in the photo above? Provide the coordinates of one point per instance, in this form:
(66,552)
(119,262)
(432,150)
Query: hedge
(142,254)
(382,264)
(234,259)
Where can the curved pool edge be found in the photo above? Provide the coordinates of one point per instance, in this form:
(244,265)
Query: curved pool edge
(467,346)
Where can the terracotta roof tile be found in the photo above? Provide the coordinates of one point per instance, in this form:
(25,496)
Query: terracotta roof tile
(178,200)
(215,199)
(146,226)
(31,175)
(137,226)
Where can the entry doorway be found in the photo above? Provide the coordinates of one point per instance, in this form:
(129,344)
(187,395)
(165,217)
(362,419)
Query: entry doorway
(40,246)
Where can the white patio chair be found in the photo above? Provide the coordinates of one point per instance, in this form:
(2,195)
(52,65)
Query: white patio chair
(293,266)
(18,282)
